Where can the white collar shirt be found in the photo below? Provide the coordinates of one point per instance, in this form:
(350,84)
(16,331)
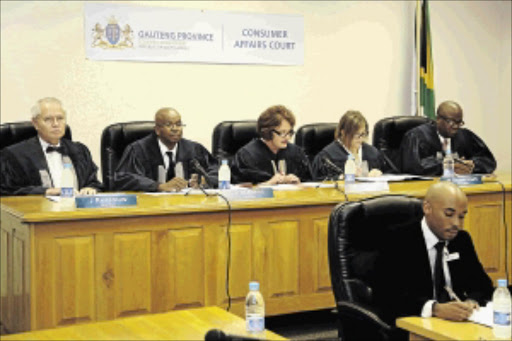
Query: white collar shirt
(430,242)
(54,162)
(164,150)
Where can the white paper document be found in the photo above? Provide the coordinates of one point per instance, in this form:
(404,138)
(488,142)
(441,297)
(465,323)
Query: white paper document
(392,177)
(484,315)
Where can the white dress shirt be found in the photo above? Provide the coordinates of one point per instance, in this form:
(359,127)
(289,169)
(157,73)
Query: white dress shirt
(55,164)
(164,150)
(431,240)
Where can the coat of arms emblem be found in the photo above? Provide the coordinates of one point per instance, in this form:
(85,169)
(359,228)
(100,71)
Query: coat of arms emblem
(112,36)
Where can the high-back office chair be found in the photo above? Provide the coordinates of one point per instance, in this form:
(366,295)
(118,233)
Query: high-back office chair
(229,136)
(14,132)
(355,233)
(388,133)
(114,140)
(314,137)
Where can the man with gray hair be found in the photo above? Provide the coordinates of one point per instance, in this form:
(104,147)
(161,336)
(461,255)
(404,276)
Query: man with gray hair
(35,166)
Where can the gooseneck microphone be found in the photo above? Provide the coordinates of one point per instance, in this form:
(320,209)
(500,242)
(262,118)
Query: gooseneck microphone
(202,171)
(219,335)
(331,166)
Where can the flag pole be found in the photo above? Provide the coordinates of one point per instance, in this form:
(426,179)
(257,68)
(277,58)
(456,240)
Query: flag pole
(418,56)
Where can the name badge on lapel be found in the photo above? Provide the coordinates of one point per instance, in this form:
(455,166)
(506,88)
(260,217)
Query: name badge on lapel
(452,256)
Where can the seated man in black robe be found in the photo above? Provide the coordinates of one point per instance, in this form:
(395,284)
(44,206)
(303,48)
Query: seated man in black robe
(34,166)
(272,159)
(426,267)
(165,149)
(423,148)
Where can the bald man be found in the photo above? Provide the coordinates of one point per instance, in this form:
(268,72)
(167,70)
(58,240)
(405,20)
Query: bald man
(409,283)
(423,148)
(165,148)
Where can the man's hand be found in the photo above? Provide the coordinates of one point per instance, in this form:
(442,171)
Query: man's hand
(52,191)
(87,191)
(173,185)
(455,311)
(291,179)
(464,166)
(276,179)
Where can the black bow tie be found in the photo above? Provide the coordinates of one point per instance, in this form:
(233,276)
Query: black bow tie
(60,149)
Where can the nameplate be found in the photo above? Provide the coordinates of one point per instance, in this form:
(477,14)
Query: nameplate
(106,200)
(464,180)
(237,194)
(361,187)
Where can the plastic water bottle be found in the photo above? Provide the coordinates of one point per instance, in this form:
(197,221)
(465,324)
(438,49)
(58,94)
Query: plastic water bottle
(254,309)
(501,304)
(448,164)
(67,191)
(350,169)
(224,175)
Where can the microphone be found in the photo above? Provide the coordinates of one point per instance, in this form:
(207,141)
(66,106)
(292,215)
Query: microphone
(331,166)
(202,171)
(219,335)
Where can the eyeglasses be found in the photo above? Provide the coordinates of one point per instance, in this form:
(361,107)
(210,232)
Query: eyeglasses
(283,133)
(50,119)
(172,125)
(452,122)
(361,136)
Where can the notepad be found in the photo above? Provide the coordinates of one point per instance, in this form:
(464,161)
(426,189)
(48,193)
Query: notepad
(484,315)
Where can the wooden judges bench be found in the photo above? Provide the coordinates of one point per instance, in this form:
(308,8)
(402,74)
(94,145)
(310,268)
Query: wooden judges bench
(64,266)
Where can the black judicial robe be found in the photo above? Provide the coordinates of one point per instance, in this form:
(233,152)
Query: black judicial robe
(20,164)
(335,152)
(420,146)
(252,162)
(403,283)
(138,168)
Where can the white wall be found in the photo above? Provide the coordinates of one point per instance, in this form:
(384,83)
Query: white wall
(357,56)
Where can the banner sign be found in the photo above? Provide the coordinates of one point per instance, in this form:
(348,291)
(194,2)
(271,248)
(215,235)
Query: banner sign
(162,34)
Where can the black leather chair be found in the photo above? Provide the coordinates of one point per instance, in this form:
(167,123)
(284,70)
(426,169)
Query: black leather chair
(229,136)
(14,132)
(314,137)
(388,133)
(114,140)
(355,233)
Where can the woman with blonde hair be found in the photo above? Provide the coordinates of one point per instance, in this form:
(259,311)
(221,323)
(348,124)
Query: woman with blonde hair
(349,139)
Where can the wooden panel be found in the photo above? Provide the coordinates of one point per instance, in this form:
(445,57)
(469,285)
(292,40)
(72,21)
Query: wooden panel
(21,278)
(75,289)
(323,276)
(177,325)
(240,273)
(187,281)
(132,273)
(6,308)
(485,224)
(282,259)
(508,220)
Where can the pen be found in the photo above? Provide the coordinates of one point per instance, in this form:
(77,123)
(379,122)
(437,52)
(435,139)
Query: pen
(452,294)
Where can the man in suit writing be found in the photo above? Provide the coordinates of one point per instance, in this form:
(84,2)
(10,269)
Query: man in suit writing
(420,261)
(34,166)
